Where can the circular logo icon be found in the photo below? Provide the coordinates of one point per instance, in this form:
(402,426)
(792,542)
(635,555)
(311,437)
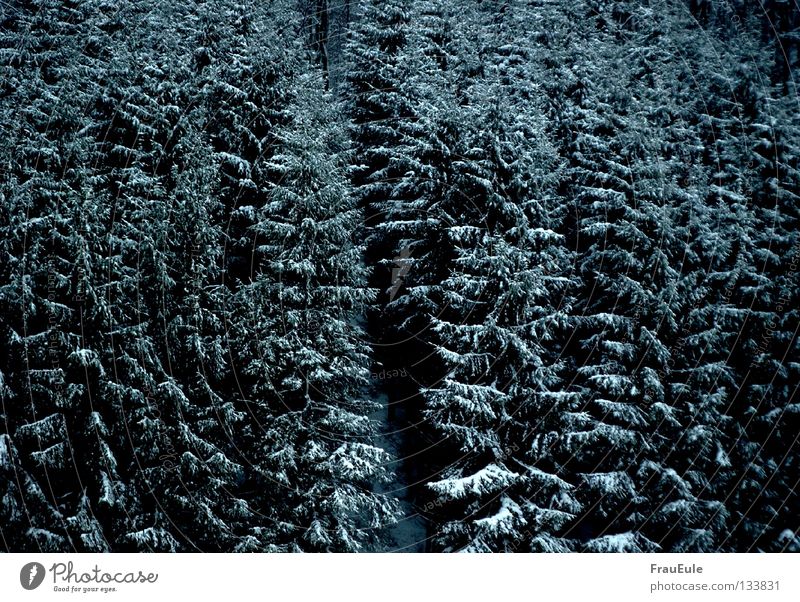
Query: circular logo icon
(31,575)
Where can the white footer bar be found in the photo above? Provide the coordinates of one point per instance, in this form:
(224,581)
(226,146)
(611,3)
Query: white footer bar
(400,577)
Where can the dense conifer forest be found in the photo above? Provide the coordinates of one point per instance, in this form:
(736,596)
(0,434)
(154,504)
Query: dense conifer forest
(399,275)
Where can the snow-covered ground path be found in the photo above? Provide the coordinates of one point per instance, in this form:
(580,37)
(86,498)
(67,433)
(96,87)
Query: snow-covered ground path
(409,534)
